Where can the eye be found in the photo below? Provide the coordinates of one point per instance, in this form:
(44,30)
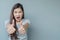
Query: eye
(19,11)
(15,12)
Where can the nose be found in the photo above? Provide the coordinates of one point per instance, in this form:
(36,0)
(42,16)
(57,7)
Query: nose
(17,14)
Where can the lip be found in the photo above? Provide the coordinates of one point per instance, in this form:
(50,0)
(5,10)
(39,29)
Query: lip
(18,17)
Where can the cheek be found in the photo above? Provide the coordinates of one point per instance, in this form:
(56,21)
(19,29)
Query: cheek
(21,15)
(15,15)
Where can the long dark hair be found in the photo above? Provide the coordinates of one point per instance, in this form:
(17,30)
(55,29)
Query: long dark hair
(17,5)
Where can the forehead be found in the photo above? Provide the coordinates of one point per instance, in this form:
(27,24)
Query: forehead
(17,9)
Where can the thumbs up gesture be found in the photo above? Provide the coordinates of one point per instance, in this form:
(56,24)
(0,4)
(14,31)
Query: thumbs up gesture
(10,28)
(21,29)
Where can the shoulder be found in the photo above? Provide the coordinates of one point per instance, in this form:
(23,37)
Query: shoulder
(6,22)
(26,21)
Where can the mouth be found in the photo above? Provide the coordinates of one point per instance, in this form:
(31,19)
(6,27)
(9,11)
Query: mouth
(18,17)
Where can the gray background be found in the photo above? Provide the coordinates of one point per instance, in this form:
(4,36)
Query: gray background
(44,16)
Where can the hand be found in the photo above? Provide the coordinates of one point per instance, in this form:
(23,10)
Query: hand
(10,28)
(21,29)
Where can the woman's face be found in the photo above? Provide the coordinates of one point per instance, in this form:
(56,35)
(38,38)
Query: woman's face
(18,14)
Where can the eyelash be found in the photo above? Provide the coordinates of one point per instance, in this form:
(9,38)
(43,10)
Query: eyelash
(16,12)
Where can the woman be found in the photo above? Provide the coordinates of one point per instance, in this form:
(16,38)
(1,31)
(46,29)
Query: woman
(17,25)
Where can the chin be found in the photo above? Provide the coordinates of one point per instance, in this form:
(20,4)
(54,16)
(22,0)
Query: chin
(18,20)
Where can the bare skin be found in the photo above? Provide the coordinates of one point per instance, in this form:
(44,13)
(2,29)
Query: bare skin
(18,15)
(10,28)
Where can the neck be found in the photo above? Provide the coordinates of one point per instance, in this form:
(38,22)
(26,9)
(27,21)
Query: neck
(18,21)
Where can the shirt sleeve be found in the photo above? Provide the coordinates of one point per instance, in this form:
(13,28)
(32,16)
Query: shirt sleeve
(6,22)
(26,21)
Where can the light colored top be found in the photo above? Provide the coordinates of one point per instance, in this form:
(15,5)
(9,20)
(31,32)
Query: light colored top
(24,36)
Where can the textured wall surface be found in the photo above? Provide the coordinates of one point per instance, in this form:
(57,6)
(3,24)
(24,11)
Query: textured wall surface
(43,14)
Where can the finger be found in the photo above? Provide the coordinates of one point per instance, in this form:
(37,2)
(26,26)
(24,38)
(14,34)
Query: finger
(23,31)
